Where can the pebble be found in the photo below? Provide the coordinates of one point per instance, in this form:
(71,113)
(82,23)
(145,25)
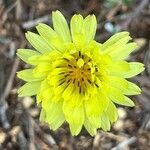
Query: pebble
(27,102)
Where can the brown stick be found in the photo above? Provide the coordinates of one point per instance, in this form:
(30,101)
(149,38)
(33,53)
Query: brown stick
(3,103)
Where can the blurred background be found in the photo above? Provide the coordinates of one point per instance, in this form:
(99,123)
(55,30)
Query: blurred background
(20,128)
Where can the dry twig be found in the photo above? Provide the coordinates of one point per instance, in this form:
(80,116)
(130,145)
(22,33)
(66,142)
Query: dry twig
(123,144)
(33,23)
(3,103)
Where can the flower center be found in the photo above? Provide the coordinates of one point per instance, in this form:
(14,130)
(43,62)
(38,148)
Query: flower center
(79,71)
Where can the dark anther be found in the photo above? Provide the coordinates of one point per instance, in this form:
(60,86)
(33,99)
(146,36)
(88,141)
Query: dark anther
(58,66)
(66,59)
(69,66)
(68,80)
(78,84)
(66,75)
(89,60)
(96,85)
(89,81)
(74,81)
(61,79)
(71,71)
(83,79)
(66,86)
(96,69)
(61,73)
(82,56)
(61,83)
(79,53)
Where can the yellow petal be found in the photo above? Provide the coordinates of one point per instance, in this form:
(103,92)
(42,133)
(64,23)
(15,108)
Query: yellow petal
(68,92)
(112,112)
(123,51)
(74,115)
(29,89)
(105,123)
(42,115)
(126,87)
(115,38)
(135,68)
(117,96)
(61,26)
(27,75)
(45,91)
(25,54)
(118,44)
(54,114)
(38,42)
(83,30)
(76,25)
(39,97)
(118,68)
(46,31)
(119,83)
(90,25)
(99,102)
(92,123)
(41,70)
(50,36)
(120,99)
(132,89)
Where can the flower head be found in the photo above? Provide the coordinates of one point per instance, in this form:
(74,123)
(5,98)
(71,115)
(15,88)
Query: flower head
(75,78)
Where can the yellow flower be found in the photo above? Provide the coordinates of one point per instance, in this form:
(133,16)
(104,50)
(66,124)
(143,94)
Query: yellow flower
(75,78)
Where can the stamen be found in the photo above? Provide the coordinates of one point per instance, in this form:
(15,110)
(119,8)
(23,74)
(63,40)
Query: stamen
(68,80)
(61,83)
(69,66)
(89,60)
(61,79)
(96,85)
(74,81)
(66,59)
(58,66)
(79,53)
(61,73)
(89,81)
(66,75)
(82,79)
(82,56)
(78,84)
(96,69)
(71,71)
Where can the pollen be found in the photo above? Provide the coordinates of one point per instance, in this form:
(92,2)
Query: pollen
(80,62)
